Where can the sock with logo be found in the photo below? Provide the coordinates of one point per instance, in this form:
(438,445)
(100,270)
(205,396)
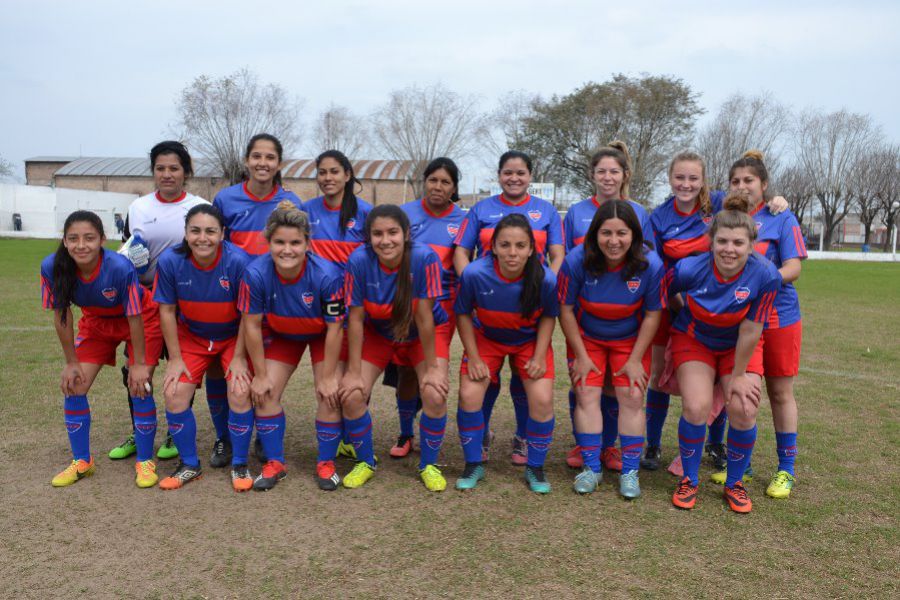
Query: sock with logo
(539,436)
(431,436)
(632,446)
(690,444)
(589,444)
(270,431)
(78,425)
(786,446)
(144,426)
(329,436)
(183,429)
(407,409)
(471,433)
(360,431)
(740,450)
(240,429)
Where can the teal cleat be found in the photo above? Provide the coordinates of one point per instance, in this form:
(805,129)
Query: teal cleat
(472,474)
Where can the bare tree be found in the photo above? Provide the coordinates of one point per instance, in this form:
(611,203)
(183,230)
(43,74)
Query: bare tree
(887,169)
(508,130)
(743,123)
(864,185)
(798,190)
(421,123)
(7,171)
(337,128)
(219,116)
(827,146)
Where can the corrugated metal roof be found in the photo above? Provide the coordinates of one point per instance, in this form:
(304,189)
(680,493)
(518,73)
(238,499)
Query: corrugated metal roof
(51,159)
(126,167)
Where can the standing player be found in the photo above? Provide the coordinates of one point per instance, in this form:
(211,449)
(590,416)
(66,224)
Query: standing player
(780,240)
(104,284)
(609,292)
(197,289)
(514,175)
(393,288)
(299,297)
(513,298)
(154,223)
(728,295)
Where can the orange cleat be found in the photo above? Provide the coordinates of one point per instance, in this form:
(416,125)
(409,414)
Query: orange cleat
(685,495)
(573,458)
(737,498)
(611,458)
(403,447)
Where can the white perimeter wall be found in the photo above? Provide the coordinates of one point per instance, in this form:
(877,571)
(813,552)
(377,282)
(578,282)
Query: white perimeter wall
(44,209)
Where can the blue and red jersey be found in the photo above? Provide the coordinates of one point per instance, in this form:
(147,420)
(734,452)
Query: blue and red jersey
(578,221)
(246,215)
(678,234)
(715,306)
(298,308)
(111,291)
(608,307)
(206,296)
(779,238)
(327,240)
(439,231)
(478,226)
(371,285)
(496,302)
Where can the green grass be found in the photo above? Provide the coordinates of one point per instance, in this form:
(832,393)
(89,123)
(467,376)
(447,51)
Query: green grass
(836,537)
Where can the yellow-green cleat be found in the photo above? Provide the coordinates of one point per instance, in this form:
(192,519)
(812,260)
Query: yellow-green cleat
(433,479)
(719,477)
(168,450)
(781,485)
(346,450)
(145,474)
(359,475)
(79,469)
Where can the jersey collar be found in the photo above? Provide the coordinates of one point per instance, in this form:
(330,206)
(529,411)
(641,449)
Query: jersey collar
(721,278)
(268,197)
(680,212)
(510,203)
(759,207)
(173,201)
(299,275)
(94,273)
(213,264)
(502,277)
(436,216)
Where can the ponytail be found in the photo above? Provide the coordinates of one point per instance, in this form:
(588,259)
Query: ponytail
(735,214)
(64,267)
(286,214)
(401,309)
(349,205)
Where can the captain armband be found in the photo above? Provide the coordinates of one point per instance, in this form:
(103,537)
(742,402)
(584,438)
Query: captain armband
(334,308)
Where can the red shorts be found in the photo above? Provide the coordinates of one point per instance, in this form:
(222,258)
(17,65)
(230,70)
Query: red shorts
(198,354)
(98,338)
(380,351)
(781,350)
(609,356)
(661,337)
(493,353)
(686,349)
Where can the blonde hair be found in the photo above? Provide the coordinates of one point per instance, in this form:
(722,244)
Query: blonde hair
(735,214)
(286,214)
(703,198)
(618,150)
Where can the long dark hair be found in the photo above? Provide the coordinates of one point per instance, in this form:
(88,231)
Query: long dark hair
(511,154)
(203,208)
(349,206)
(442,162)
(64,267)
(594,259)
(267,137)
(176,148)
(533,275)
(401,310)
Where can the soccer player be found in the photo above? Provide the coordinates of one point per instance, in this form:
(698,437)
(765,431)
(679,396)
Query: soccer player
(609,291)
(780,240)
(434,220)
(475,234)
(105,285)
(393,290)
(299,295)
(728,295)
(197,291)
(154,223)
(611,172)
(513,298)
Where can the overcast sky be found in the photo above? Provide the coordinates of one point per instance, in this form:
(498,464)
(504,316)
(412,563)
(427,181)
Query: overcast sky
(101,78)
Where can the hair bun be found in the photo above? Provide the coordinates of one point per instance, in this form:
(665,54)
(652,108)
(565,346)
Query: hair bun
(737,201)
(754,154)
(619,145)
(286,205)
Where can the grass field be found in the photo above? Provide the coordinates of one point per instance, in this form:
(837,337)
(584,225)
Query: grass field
(836,537)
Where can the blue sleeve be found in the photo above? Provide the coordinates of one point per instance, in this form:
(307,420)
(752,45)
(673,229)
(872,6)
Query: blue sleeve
(427,274)
(770,283)
(652,298)
(549,297)
(164,291)
(466,295)
(332,295)
(555,235)
(569,282)
(790,240)
(355,280)
(569,230)
(252,297)
(468,231)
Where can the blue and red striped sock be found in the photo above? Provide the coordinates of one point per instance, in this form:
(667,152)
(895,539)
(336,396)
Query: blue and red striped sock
(78,425)
(520,404)
(183,429)
(572,404)
(589,443)
(740,450)
(144,420)
(657,410)
(632,446)
(490,399)
(471,433)
(609,406)
(717,428)
(217,400)
(690,444)
(406,410)
(270,431)
(360,432)
(328,435)
(240,430)
(786,446)
(539,436)
(431,436)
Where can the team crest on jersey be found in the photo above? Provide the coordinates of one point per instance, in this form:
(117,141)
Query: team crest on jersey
(634,284)
(307,298)
(452,230)
(759,225)
(351,223)
(109,293)
(225,283)
(534,214)
(707,219)
(741,294)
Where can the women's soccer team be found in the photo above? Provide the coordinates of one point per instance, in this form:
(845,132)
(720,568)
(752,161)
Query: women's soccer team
(695,299)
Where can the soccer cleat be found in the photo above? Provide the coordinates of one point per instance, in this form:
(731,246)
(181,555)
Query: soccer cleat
(519,456)
(78,469)
(167,450)
(346,450)
(258,451)
(403,446)
(486,445)
(573,458)
(719,477)
(272,472)
(650,460)
(781,485)
(717,454)
(471,475)
(182,475)
(433,479)
(629,486)
(685,495)
(611,458)
(361,473)
(737,498)
(221,454)
(536,480)
(586,482)
(326,476)
(145,473)
(123,450)
(241,480)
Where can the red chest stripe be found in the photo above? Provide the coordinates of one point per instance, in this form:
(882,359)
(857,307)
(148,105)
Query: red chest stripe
(103,311)
(716,319)
(379,312)
(252,242)
(610,312)
(678,249)
(208,312)
(295,325)
(445,253)
(334,250)
(505,320)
